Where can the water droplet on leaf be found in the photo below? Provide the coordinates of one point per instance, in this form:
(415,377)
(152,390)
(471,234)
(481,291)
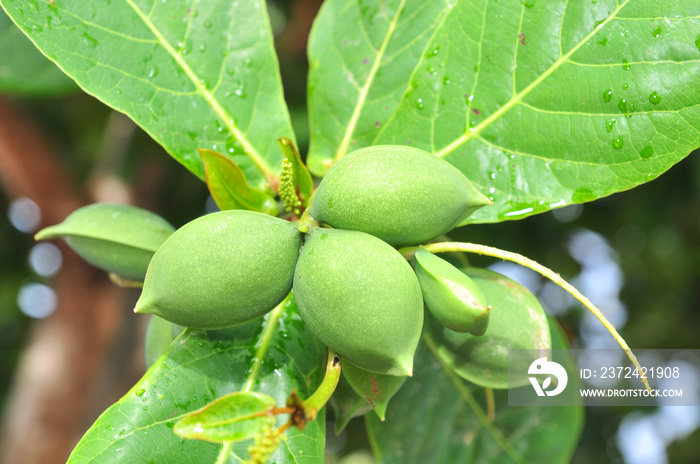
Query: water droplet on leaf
(625,64)
(618,142)
(607,95)
(622,104)
(434,52)
(654,98)
(609,125)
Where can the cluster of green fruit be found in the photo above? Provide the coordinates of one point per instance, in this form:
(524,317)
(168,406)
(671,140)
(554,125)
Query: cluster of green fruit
(354,290)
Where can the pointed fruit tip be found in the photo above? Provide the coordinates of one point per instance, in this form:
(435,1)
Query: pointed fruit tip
(380,409)
(140,309)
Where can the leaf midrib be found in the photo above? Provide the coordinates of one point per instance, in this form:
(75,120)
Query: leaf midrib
(517,98)
(342,149)
(210,99)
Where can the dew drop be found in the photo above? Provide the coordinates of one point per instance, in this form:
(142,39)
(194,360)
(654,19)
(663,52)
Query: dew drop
(618,142)
(202,48)
(529,3)
(240,91)
(625,86)
(153,72)
(697,42)
(622,104)
(434,52)
(603,42)
(646,152)
(654,98)
(656,32)
(607,95)
(419,104)
(609,125)
(625,64)
(140,392)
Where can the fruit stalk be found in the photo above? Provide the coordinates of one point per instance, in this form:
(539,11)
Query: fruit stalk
(323,393)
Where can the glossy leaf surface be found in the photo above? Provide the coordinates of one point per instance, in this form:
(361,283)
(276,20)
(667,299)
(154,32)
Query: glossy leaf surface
(235,417)
(202,75)
(539,103)
(199,367)
(447,422)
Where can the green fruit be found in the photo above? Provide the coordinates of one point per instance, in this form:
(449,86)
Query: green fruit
(450,295)
(400,194)
(116,238)
(517,322)
(360,297)
(377,389)
(222,269)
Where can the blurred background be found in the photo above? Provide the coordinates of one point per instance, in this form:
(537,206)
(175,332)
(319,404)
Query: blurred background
(70,345)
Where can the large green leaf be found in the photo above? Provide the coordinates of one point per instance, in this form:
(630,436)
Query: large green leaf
(192,74)
(540,103)
(23,69)
(199,367)
(446,422)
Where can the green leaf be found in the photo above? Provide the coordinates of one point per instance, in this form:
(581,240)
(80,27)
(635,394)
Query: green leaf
(235,417)
(540,104)
(193,75)
(116,238)
(273,357)
(23,69)
(229,188)
(447,422)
